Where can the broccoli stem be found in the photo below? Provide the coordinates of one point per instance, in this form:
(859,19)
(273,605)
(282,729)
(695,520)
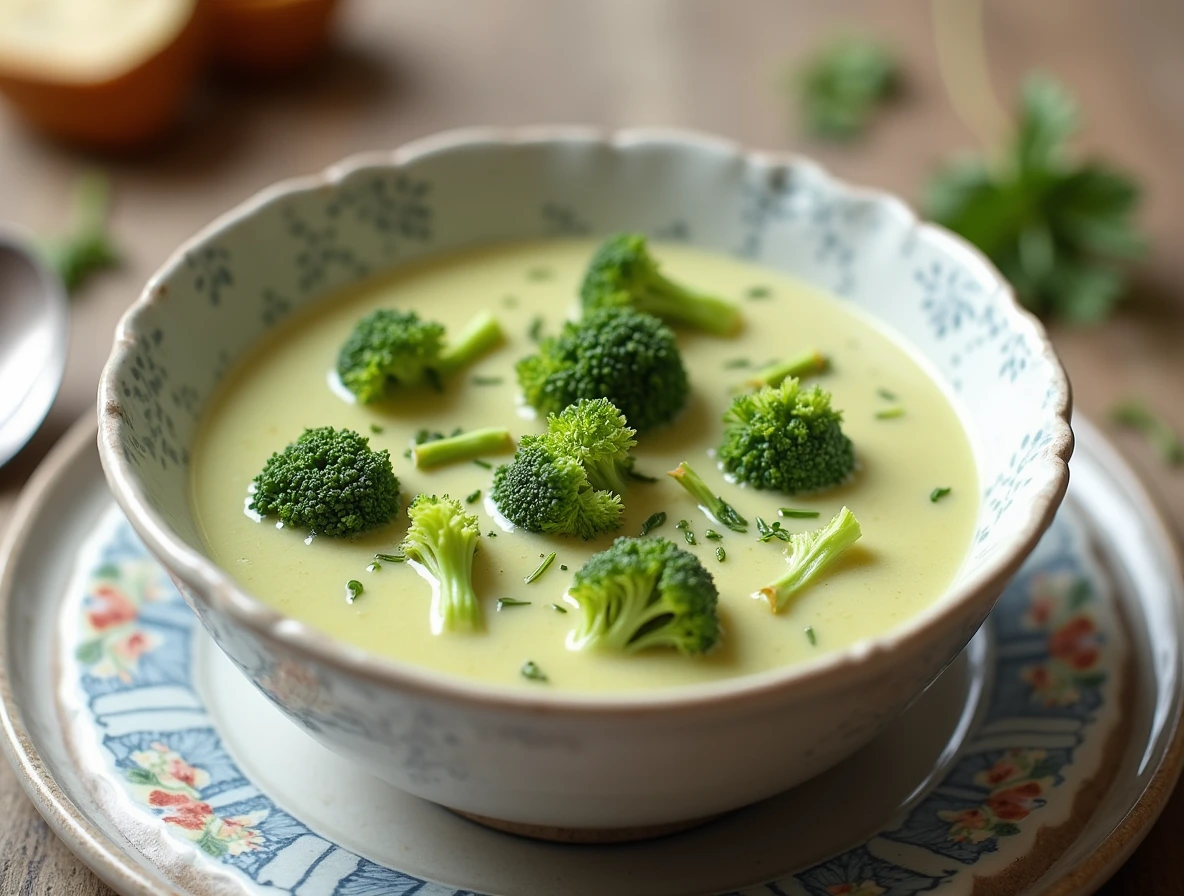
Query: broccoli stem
(481,335)
(799,366)
(466,446)
(808,554)
(455,606)
(671,301)
(714,506)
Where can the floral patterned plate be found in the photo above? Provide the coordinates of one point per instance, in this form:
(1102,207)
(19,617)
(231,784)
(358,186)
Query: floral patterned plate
(1033,765)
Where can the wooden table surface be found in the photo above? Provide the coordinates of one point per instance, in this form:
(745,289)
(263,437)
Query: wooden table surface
(405,68)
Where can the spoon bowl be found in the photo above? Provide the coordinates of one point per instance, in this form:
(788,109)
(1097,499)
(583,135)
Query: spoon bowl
(34,327)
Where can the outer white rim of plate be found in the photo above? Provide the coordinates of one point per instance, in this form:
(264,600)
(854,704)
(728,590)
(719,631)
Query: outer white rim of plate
(824,674)
(115,866)
(86,840)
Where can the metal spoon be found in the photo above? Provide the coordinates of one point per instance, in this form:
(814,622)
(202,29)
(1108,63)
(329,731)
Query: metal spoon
(34,331)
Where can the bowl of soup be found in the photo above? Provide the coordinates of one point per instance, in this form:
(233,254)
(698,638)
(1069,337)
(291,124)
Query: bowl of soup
(950,395)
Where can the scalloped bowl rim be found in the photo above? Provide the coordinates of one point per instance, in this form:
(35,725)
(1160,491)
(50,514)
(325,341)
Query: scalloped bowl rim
(828,672)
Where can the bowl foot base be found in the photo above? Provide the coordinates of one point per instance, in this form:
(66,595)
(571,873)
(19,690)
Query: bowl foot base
(554,834)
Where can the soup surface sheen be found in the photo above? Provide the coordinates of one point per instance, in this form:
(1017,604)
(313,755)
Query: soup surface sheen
(910,550)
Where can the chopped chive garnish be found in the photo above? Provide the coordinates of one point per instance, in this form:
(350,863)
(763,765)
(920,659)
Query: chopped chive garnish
(712,534)
(768,532)
(737,364)
(474,495)
(890,413)
(530,670)
(886,395)
(810,636)
(536,329)
(558,609)
(511,602)
(938,493)
(542,568)
(681,524)
(652,522)
(391,558)
(353,590)
(376,429)
(488,380)
(540,272)
(720,554)
(373,566)
(758,292)
(689,536)
(483,464)
(563,566)
(797,514)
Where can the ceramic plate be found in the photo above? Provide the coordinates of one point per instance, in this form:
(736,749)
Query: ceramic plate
(1034,764)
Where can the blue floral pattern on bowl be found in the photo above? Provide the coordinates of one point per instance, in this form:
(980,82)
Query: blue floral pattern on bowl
(134,661)
(291,245)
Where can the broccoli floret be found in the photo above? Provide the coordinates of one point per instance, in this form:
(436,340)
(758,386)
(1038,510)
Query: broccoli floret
(623,274)
(544,490)
(627,357)
(597,434)
(441,542)
(644,592)
(329,481)
(786,438)
(808,554)
(389,347)
(712,504)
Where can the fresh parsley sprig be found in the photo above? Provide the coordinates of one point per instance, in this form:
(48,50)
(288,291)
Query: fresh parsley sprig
(1057,226)
(841,85)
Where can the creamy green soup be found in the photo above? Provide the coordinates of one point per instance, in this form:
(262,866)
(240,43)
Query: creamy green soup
(910,550)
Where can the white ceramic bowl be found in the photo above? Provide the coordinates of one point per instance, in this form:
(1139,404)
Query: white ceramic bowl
(537,757)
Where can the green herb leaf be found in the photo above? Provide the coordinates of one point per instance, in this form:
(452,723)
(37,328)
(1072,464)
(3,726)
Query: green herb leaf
(473,496)
(890,413)
(487,380)
(758,292)
(810,636)
(1135,415)
(712,534)
(391,558)
(653,521)
(542,568)
(886,395)
(720,554)
(353,590)
(376,429)
(558,609)
(511,602)
(1056,226)
(938,493)
(689,536)
(536,329)
(531,671)
(841,85)
(767,532)
(87,247)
